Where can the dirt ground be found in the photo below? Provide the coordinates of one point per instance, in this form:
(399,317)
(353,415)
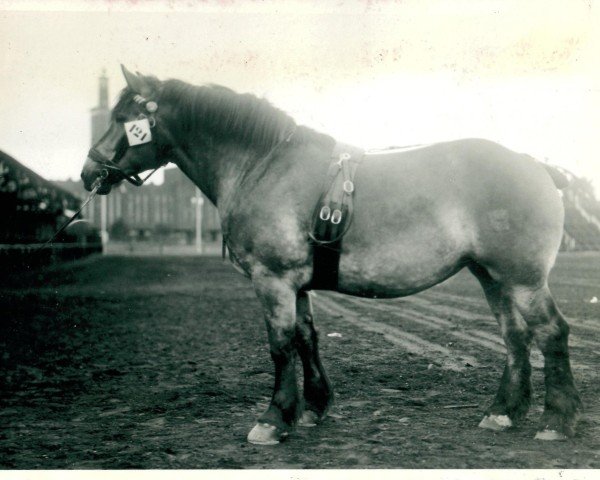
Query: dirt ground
(162,362)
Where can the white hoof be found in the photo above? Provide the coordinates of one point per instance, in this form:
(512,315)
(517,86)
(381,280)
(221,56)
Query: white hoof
(308,419)
(265,434)
(496,422)
(551,435)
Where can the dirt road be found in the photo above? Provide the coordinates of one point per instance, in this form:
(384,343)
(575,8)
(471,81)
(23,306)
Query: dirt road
(124,362)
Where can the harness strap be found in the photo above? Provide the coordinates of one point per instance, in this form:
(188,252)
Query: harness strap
(333,216)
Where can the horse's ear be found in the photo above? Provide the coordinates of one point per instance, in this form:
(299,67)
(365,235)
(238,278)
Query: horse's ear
(137,83)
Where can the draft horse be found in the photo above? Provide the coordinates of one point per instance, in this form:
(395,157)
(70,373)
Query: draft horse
(420,216)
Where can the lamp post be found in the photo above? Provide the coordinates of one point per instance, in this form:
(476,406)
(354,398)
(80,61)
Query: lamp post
(103,223)
(199,201)
(100,121)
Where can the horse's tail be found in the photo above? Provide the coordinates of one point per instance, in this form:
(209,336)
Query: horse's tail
(559,176)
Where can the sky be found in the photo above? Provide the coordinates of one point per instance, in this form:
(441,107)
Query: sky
(372,73)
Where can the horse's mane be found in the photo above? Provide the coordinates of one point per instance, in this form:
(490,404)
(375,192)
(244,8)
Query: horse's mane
(251,121)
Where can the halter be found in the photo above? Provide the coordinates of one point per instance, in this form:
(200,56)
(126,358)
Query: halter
(138,132)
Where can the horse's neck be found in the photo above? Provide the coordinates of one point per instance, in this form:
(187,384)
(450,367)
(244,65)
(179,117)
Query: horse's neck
(215,170)
(219,169)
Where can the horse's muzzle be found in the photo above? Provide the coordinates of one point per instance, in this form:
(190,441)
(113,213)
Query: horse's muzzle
(92,175)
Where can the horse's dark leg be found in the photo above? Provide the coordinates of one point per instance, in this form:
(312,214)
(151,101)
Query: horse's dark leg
(514,394)
(318,394)
(279,304)
(562,405)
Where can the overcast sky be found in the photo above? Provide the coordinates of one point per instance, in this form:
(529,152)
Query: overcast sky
(373,73)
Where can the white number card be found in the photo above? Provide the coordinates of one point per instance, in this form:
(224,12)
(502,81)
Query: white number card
(138,132)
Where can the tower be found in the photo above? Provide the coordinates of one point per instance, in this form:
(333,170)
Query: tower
(101,113)
(100,122)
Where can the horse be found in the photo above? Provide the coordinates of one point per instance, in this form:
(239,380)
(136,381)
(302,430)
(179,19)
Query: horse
(420,216)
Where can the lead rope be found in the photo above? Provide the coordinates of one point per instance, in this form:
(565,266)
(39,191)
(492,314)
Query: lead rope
(133,179)
(96,185)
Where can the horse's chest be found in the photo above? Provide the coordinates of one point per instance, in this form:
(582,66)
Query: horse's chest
(275,242)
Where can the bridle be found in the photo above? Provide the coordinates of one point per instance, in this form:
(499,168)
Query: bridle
(138,132)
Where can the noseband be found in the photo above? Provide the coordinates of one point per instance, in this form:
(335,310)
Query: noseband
(138,132)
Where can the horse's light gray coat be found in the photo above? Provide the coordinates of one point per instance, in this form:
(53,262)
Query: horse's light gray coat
(420,216)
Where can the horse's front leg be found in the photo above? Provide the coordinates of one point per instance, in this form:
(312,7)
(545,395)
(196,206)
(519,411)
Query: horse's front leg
(318,393)
(279,303)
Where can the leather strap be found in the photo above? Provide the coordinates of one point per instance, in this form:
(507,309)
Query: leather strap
(332,216)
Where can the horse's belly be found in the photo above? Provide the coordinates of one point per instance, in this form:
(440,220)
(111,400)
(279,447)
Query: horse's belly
(412,246)
(394,273)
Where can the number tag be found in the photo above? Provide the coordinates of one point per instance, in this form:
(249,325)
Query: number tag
(138,132)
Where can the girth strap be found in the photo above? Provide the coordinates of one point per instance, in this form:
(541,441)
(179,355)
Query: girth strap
(333,216)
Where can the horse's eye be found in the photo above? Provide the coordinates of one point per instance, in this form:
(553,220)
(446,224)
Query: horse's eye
(120,117)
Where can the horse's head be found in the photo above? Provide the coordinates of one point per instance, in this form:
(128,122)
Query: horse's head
(133,142)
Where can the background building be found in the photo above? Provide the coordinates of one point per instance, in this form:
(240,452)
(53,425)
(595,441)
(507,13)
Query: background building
(31,207)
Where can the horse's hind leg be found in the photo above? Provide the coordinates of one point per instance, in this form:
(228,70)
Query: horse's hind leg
(562,404)
(514,394)
(318,394)
(525,311)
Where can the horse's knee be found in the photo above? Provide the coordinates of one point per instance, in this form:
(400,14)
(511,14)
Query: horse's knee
(278,305)
(281,344)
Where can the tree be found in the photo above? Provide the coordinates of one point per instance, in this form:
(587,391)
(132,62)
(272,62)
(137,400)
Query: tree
(119,230)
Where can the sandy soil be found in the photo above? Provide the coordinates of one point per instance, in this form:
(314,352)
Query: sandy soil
(125,362)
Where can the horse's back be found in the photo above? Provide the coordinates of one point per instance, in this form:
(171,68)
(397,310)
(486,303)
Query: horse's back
(422,214)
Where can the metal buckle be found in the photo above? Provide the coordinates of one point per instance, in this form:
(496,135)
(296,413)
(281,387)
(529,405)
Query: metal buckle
(336,217)
(325,213)
(152,106)
(342,157)
(348,186)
